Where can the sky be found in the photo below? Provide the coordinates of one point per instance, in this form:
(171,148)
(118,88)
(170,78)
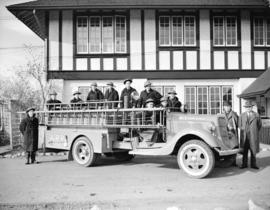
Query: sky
(13,36)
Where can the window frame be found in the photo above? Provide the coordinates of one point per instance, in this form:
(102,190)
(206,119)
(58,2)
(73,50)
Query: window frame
(254,44)
(101,16)
(196,100)
(207,98)
(100,29)
(125,51)
(236,31)
(184,30)
(225,30)
(159,29)
(77,23)
(183,26)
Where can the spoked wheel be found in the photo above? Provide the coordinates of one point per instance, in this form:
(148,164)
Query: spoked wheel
(196,159)
(83,152)
(123,156)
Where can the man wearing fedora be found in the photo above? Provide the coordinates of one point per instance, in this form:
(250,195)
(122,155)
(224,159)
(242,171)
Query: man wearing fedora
(94,95)
(53,101)
(29,129)
(125,96)
(232,125)
(76,102)
(249,124)
(111,95)
(149,93)
(173,103)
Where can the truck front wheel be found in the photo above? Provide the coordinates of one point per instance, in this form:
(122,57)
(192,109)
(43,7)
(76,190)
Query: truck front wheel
(83,152)
(196,159)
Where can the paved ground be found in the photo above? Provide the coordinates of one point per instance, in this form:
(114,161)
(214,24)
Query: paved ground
(144,183)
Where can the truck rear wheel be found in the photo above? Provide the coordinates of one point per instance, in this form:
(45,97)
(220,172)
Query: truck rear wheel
(196,159)
(83,152)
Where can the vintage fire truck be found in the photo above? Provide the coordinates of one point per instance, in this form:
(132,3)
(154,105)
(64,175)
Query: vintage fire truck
(90,130)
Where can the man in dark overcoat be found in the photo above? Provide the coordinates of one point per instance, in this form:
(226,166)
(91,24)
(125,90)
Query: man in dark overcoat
(232,123)
(53,101)
(173,103)
(149,93)
(76,102)
(29,129)
(249,125)
(125,97)
(95,95)
(232,126)
(111,95)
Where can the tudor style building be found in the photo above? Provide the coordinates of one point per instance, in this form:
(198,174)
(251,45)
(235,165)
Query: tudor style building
(207,50)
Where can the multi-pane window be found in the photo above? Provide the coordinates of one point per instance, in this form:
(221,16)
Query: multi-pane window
(190,99)
(177,31)
(207,99)
(214,100)
(202,97)
(261,29)
(82,34)
(94,35)
(106,34)
(225,31)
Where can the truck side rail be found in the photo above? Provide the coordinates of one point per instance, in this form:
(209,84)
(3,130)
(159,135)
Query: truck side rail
(104,118)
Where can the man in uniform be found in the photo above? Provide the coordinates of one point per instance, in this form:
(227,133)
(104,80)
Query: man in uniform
(111,95)
(94,95)
(149,93)
(125,97)
(76,102)
(29,129)
(232,125)
(52,102)
(173,103)
(249,124)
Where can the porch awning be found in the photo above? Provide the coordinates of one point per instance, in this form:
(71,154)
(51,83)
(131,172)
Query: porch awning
(259,87)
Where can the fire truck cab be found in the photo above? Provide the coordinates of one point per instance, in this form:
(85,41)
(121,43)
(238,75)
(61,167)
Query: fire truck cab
(197,141)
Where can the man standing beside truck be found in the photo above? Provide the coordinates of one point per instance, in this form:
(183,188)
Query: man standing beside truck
(249,124)
(29,129)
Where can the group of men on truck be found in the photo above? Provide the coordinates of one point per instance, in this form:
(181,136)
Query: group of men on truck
(129,98)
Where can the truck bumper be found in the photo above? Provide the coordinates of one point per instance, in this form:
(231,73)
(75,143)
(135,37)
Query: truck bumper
(228,152)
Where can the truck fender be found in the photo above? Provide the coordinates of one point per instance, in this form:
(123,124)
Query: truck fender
(204,135)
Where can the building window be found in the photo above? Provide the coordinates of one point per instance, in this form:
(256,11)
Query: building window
(207,99)
(202,97)
(261,29)
(106,34)
(190,99)
(215,100)
(177,31)
(225,31)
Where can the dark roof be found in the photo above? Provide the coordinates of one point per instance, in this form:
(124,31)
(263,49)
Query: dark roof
(64,4)
(259,87)
(32,13)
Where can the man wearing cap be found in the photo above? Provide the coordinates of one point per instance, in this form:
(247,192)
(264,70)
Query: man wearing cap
(125,97)
(232,125)
(76,102)
(52,102)
(111,95)
(249,124)
(94,95)
(173,103)
(29,129)
(149,93)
